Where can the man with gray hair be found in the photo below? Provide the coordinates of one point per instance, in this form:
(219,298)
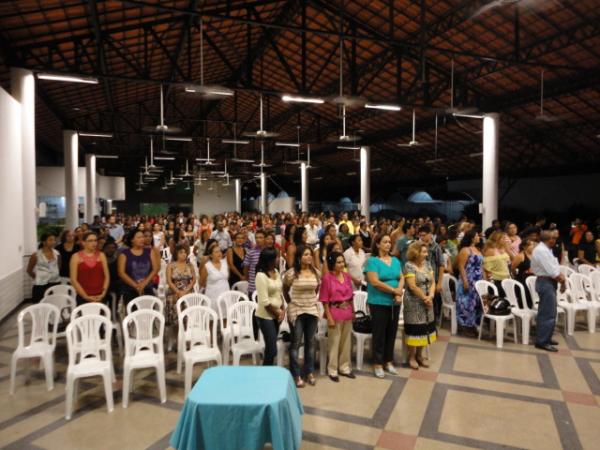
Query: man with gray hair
(547,270)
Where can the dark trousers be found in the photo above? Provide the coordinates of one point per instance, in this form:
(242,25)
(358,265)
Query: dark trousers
(303,332)
(38,290)
(385,328)
(130,293)
(437,305)
(546,317)
(269,329)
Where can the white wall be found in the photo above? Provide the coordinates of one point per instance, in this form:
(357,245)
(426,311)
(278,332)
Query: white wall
(276,205)
(51,182)
(220,199)
(11,205)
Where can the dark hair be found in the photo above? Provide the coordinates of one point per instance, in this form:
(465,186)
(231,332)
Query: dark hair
(425,228)
(131,235)
(376,242)
(260,231)
(209,244)
(288,231)
(352,238)
(298,233)
(180,247)
(407,226)
(63,235)
(467,239)
(44,237)
(330,246)
(332,259)
(267,260)
(300,249)
(347,228)
(87,234)
(441,238)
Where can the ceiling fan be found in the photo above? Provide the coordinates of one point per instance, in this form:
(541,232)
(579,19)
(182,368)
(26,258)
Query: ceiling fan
(413,142)
(235,141)
(458,112)
(162,127)
(209,92)
(435,159)
(523,5)
(261,133)
(341,99)
(262,163)
(187,173)
(542,116)
(208,161)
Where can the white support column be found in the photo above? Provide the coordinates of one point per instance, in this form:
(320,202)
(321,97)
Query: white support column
(304,187)
(365,181)
(491,129)
(90,187)
(71,148)
(109,206)
(23,90)
(238,195)
(264,208)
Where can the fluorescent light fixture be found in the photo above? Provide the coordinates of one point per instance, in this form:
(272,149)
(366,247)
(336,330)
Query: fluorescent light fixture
(383,106)
(350,173)
(164,158)
(469,116)
(209,91)
(287,144)
(299,99)
(376,169)
(317,178)
(107,156)
(241,160)
(181,138)
(476,155)
(235,141)
(70,78)
(95,134)
(435,161)
(151,178)
(347,147)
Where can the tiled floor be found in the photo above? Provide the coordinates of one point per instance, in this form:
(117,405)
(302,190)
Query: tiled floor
(473,396)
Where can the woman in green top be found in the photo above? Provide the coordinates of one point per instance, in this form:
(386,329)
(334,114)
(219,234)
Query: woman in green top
(385,287)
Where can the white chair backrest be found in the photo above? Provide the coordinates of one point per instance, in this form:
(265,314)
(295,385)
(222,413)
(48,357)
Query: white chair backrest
(94,308)
(143,331)
(595,279)
(65,304)
(88,337)
(586,269)
(65,280)
(199,326)
(513,290)
(566,270)
(42,316)
(359,300)
(225,300)
(145,302)
(580,287)
(239,318)
(241,286)
(61,289)
(530,282)
(448,286)
(255,296)
(282,265)
(191,300)
(483,287)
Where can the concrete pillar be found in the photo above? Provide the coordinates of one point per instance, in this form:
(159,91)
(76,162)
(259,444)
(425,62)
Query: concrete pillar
(264,208)
(304,186)
(71,148)
(365,181)
(491,128)
(109,206)
(238,195)
(90,188)
(23,90)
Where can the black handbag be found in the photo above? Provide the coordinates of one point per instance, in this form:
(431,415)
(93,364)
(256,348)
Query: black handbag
(499,307)
(362,323)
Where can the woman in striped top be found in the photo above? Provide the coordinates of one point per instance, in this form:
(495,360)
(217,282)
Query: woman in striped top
(300,287)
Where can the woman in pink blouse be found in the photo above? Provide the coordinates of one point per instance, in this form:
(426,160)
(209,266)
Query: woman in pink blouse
(337,294)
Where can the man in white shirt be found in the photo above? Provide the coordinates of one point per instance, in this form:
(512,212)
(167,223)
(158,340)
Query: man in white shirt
(222,236)
(547,270)
(312,231)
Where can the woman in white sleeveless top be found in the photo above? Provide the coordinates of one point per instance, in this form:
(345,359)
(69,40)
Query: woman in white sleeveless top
(214,275)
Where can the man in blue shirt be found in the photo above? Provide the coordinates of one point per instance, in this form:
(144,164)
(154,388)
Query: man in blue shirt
(547,270)
(115,230)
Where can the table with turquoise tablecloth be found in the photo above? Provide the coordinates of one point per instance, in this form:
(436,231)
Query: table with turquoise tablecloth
(241,408)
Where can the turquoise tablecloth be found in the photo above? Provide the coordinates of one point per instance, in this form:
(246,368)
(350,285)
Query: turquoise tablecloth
(241,408)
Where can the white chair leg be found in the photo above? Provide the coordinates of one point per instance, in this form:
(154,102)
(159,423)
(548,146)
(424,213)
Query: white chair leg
(253,358)
(280,350)
(179,352)
(571,321)
(126,385)
(236,358)
(13,373)
(189,369)
(322,355)
(119,336)
(591,318)
(226,349)
(162,382)
(108,391)
(453,323)
(481,327)
(49,370)
(499,333)
(360,350)
(69,388)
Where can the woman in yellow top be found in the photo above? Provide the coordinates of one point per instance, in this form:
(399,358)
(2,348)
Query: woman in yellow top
(496,260)
(270,311)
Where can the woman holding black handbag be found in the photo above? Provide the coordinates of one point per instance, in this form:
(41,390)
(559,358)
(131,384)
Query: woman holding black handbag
(385,287)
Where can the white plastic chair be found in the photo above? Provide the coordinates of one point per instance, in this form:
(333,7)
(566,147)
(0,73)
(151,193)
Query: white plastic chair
(239,321)
(255,296)
(224,302)
(282,265)
(41,343)
(187,301)
(145,302)
(483,288)
(535,298)
(566,270)
(241,286)
(448,302)
(360,304)
(199,330)
(595,280)
(89,355)
(321,339)
(64,280)
(525,313)
(586,269)
(61,289)
(282,346)
(65,304)
(99,309)
(581,294)
(144,330)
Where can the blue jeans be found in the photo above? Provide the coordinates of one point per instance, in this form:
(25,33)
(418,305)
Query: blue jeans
(269,329)
(305,326)
(546,317)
